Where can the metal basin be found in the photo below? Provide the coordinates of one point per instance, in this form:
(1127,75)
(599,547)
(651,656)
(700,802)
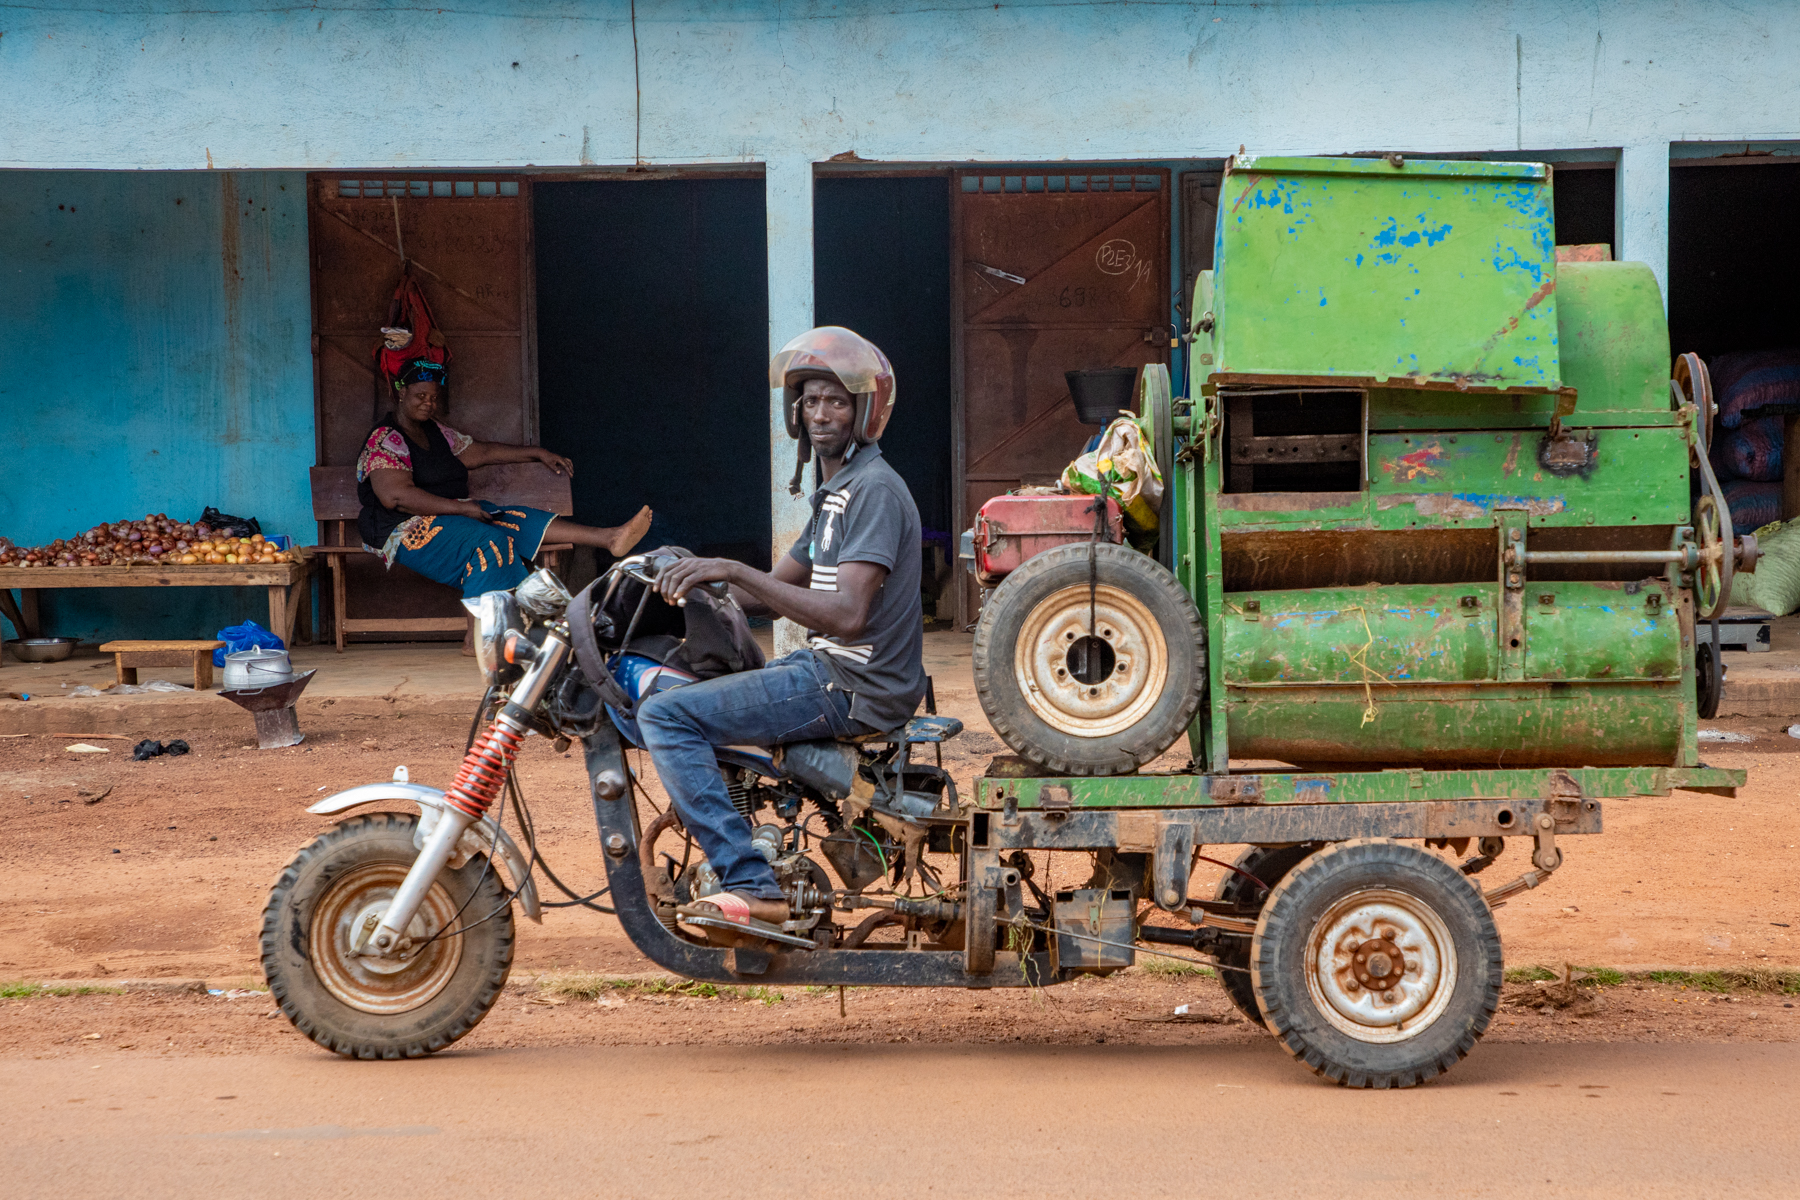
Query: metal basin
(41,650)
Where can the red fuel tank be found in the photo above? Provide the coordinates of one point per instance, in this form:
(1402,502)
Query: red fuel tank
(1011,529)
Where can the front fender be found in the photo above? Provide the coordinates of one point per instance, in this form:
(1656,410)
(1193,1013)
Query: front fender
(432,806)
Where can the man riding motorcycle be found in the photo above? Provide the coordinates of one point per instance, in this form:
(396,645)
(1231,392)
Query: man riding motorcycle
(852,579)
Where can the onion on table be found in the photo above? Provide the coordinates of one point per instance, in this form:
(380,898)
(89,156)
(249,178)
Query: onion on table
(153,541)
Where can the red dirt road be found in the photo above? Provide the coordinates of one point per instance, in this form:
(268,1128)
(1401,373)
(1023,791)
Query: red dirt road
(911,1121)
(1656,1092)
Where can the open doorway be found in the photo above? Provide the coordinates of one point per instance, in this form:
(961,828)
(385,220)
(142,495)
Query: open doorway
(652,335)
(1733,257)
(881,266)
(1732,264)
(1586,198)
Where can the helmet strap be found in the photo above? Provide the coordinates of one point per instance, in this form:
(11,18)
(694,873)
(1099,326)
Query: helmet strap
(802,455)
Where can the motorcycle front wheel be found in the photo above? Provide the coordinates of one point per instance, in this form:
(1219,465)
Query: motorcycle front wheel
(366,1007)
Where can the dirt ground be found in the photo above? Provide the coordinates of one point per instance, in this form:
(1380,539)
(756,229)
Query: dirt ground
(159,870)
(1134,1008)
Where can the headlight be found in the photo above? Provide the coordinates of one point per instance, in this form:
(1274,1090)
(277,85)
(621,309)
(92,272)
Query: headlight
(495,613)
(543,595)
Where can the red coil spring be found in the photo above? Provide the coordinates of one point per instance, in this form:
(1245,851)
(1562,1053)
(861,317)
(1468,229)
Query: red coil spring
(477,784)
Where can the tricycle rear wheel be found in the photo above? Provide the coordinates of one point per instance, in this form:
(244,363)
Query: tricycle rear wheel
(1269,865)
(1376,964)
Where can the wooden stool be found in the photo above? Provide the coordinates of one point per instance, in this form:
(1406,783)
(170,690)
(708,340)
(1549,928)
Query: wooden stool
(129,656)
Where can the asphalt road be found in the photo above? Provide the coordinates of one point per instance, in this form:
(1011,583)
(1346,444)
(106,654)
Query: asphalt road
(1614,1120)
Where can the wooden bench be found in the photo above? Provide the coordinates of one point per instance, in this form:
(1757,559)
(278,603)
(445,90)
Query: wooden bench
(336,507)
(129,656)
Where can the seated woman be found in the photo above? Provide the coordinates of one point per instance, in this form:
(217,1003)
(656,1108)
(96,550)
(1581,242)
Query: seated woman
(413,481)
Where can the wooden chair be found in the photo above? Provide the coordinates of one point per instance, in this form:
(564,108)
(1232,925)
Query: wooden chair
(336,508)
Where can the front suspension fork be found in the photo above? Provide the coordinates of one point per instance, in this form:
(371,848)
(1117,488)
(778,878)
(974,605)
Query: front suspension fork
(477,785)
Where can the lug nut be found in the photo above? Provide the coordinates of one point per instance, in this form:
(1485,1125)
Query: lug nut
(615,844)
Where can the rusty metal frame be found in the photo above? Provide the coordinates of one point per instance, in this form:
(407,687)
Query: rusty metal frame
(995,895)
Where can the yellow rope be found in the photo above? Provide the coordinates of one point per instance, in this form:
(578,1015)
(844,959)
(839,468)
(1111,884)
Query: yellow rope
(1360,657)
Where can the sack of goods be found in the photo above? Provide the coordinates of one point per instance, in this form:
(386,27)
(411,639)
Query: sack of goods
(1122,467)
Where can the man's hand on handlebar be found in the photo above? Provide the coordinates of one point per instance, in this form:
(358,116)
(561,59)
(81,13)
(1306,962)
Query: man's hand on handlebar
(674,581)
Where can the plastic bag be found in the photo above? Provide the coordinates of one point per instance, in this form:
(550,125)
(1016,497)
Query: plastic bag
(1775,584)
(228,525)
(248,636)
(129,689)
(1124,467)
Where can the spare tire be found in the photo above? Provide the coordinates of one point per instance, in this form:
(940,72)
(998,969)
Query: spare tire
(1090,693)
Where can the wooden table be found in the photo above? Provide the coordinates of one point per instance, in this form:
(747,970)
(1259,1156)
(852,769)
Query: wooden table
(286,583)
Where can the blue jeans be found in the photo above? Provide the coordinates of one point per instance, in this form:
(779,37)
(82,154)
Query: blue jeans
(792,699)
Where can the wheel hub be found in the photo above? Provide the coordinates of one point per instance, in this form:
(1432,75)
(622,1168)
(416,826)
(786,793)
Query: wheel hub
(1381,966)
(1091,672)
(384,986)
(1378,965)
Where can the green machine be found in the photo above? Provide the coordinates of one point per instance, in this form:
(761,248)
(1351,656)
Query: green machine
(1441,540)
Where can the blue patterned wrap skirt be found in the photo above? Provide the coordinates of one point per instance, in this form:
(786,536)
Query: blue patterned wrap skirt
(474,555)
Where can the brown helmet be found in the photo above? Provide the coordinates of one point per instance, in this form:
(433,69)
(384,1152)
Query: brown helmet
(833,352)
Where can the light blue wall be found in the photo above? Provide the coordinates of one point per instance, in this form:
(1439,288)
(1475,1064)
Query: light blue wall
(154,357)
(241,83)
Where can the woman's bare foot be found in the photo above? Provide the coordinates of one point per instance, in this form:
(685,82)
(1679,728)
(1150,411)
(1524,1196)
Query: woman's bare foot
(625,536)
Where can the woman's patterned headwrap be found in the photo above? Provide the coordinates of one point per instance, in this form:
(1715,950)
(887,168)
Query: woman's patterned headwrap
(421,370)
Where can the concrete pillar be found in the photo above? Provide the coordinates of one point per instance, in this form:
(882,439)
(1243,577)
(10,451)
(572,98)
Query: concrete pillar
(790,216)
(1643,210)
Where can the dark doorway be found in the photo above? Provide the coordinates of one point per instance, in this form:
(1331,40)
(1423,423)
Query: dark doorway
(1586,198)
(1733,258)
(881,266)
(652,334)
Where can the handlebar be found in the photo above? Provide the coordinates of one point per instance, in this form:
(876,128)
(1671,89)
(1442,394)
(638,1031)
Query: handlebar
(645,568)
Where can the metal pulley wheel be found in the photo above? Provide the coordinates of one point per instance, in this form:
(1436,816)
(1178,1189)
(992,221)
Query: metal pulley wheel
(1712,530)
(1712,516)
(1694,385)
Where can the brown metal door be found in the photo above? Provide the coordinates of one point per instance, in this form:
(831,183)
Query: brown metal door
(468,240)
(1055,273)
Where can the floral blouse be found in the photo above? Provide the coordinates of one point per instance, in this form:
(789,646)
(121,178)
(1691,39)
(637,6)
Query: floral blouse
(386,450)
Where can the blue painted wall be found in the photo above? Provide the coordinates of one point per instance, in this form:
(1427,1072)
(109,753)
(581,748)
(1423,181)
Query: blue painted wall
(155,334)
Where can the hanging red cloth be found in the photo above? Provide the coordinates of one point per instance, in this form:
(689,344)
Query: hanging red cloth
(409,313)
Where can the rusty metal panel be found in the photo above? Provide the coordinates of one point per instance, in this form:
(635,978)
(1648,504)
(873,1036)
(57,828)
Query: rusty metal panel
(467,238)
(1054,272)
(468,243)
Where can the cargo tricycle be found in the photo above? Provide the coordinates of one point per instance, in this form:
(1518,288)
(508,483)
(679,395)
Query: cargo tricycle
(1427,582)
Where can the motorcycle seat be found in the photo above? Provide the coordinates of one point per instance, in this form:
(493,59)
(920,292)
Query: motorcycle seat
(915,732)
(932,729)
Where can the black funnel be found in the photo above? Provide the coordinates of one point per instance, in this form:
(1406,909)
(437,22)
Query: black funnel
(1100,394)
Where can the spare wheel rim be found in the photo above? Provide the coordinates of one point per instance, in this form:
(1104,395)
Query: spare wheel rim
(1381,966)
(1100,708)
(382,986)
